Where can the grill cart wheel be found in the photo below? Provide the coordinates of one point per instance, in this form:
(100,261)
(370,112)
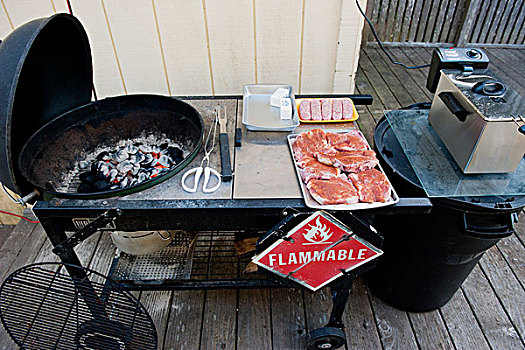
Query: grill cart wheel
(325,338)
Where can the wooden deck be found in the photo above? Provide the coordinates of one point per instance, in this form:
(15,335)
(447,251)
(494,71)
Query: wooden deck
(486,313)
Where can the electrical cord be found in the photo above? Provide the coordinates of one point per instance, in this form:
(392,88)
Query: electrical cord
(20,216)
(381,44)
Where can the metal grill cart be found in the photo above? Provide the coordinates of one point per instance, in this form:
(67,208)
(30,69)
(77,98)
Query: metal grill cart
(263,193)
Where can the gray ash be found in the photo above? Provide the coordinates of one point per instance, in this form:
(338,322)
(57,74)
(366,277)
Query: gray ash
(129,163)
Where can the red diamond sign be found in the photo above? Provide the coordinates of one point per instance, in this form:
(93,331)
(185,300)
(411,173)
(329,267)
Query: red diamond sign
(316,251)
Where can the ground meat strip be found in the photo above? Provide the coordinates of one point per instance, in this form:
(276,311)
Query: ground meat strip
(316,109)
(304,110)
(337,109)
(326,109)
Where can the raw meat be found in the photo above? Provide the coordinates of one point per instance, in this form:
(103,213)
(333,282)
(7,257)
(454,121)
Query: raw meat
(304,110)
(326,109)
(337,110)
(315,107)
(348,110)
(372,185)
(308,144)
(313,169)
(333,191)
(350,141)
(351,161)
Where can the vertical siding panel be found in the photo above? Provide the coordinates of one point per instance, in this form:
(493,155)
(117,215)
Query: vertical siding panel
(135,36)
(278,33)
(320,45)
(60,6)
(407,19)
(230,28)
(348,47)
(416,20)
(182,29)
(513,18)
(5,26)
(448,22)
(518,25)
(106,74)
(22,11)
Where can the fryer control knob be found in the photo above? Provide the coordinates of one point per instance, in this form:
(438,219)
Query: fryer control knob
(473,53)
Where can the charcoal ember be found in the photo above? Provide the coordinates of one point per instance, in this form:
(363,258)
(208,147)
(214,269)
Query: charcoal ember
(112,176)
(155,149)
(124,167)
(143,177)
(148,158)
(103,156)
(175,153)
(164,161)
(124,182)
(83,164)
(131,149)
(88,177)
(145,149)
(120,156)
(164,145)
(137,158)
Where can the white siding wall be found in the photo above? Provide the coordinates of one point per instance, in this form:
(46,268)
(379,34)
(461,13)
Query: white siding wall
(210,47)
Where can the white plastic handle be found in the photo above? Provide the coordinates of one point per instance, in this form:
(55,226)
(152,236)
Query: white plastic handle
(198,173)
(207,173)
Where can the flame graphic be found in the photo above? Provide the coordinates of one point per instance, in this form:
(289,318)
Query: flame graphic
(317,234)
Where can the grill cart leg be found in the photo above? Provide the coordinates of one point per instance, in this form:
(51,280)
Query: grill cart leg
(332,336)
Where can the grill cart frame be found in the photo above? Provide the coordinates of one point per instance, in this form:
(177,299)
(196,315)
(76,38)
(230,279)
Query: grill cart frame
(247,216)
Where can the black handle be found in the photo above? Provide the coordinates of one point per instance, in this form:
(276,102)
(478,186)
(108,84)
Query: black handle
(238,137)
(486,228)
(454,106)
(225,158)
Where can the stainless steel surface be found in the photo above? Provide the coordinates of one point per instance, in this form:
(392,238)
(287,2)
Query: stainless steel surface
(483,143)
(259,115)
(263,165)
(312,203)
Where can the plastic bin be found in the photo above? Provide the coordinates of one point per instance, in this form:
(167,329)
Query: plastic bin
(427,257)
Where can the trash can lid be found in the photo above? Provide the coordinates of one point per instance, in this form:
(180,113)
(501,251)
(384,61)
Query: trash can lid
(391,152)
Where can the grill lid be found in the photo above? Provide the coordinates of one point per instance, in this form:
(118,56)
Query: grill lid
(46,71)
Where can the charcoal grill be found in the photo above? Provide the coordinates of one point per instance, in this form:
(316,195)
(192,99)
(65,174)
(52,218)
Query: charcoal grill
(264,190)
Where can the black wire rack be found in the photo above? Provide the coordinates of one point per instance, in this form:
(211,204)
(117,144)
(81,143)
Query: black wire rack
(58,306)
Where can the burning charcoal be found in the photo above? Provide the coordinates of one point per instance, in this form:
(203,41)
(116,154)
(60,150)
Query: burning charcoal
(142,177)
(148,158)
(137,158)
(145,148)
(164,161)
(155,149)
(120,156)
(101,185)
(124,182)
(133,182)
(103,156)
(131,149)
(112,175)
(175,153)
(154,162)
(124,167)
(84,164)
(164,146)
(153,173)
(136,168)
(87,177)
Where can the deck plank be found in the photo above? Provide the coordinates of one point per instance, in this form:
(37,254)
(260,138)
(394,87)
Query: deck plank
(185,320)
(463,327)
(254,328)
(288,319)
(494,321)
(438,338)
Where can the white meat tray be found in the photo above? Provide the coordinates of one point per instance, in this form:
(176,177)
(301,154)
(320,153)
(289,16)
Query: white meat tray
(312,203)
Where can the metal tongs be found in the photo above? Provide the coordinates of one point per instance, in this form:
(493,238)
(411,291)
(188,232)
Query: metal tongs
(208,172)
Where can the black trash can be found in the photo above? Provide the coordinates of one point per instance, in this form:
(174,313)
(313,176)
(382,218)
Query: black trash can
(427,257)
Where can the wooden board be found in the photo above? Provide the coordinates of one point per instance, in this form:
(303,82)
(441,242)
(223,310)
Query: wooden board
(183,330)
(254,327)
(288,319)
(438,338)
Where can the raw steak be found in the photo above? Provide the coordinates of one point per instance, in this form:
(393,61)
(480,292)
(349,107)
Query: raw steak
(372,185)
(326,109)
(304,110)
(348,110)
(315,106)
(308,144)
(351,161)
(333,191)
(350,141)
(314,170)
(337,110)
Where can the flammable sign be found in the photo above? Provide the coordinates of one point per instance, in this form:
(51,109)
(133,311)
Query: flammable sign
(317,251)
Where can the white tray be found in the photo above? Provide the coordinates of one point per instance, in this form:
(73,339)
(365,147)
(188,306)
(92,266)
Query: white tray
(258,115)
(312,203)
